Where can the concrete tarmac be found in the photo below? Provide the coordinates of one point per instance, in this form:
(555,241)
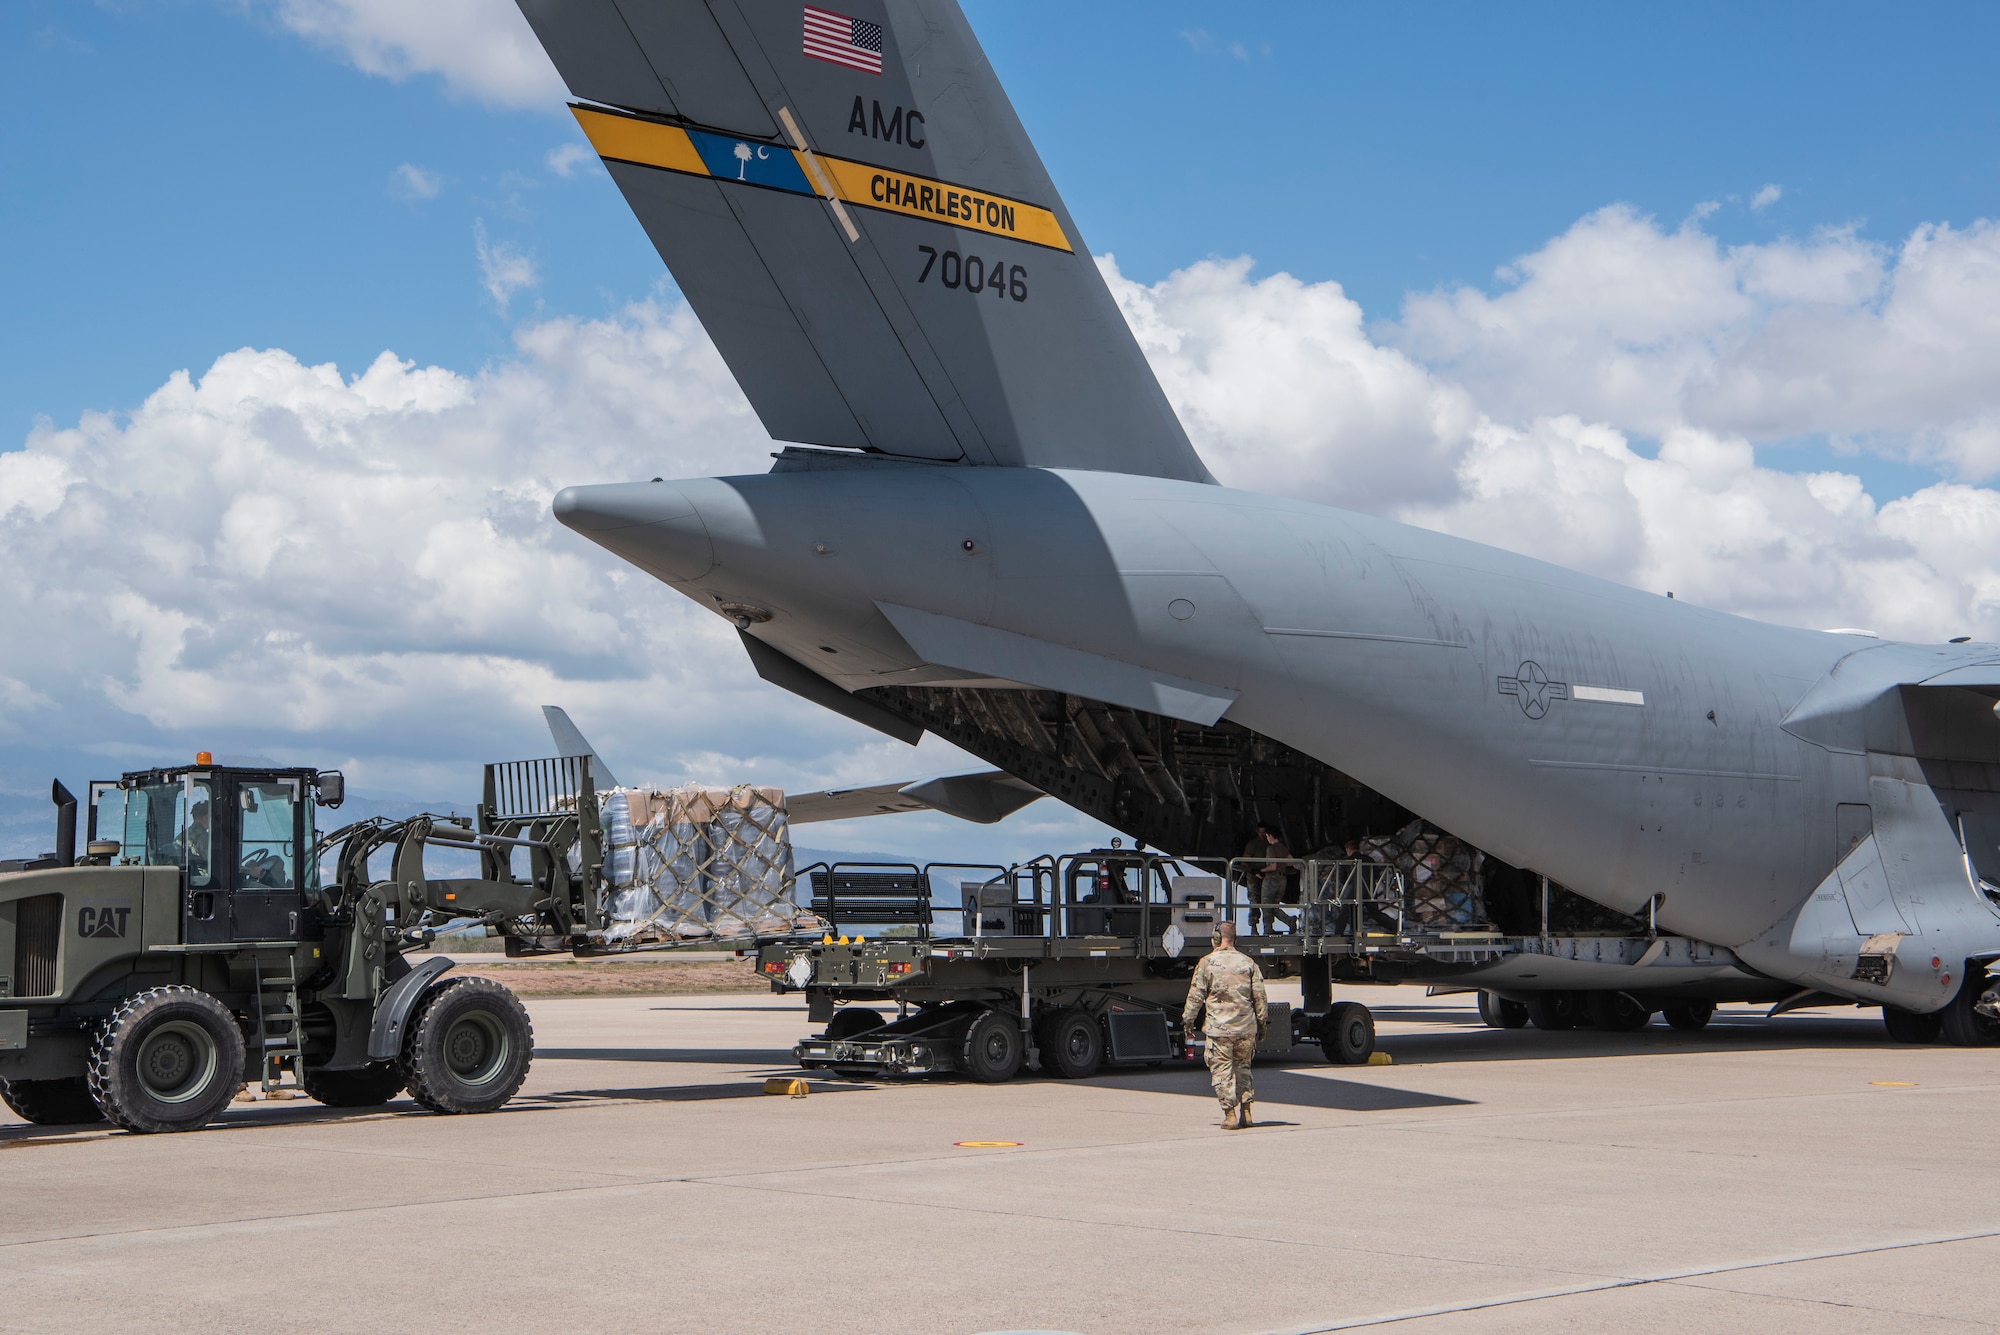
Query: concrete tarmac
(1798,1174)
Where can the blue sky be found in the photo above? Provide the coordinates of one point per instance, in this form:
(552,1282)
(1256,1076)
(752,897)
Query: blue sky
(1706,208)
(185,178)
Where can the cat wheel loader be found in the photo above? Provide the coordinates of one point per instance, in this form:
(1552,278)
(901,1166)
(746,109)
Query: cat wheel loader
(195,947)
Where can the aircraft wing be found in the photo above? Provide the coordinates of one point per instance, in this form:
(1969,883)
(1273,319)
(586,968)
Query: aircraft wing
(883,799)
(981,798)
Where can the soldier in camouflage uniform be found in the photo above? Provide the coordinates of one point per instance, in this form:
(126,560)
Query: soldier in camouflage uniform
(1230,986)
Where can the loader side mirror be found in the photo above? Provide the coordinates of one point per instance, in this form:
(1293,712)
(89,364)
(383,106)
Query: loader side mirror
(329,788)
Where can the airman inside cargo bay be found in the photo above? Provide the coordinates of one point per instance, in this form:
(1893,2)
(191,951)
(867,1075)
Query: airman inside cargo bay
(1267,881)
(1227,996)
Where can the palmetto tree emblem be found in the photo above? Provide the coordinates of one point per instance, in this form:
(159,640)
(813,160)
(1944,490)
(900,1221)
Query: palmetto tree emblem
(742,156)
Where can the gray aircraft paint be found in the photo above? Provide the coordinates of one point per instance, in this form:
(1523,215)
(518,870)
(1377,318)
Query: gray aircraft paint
(1789,794)
(837,342)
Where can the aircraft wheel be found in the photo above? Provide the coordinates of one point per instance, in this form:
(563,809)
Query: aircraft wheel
(1072,1044)
(1347,1034)
(1911,1026)
(1500,1013)
(1616,1012)
(992,1051)
(852,1020)
(62,1102)
(1962,1024)
(1694,1015)
(1552,1010)
(468,1048)
(168,1059)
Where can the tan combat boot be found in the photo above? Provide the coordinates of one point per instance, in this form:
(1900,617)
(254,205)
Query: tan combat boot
(1229,1119)
(1243,1117)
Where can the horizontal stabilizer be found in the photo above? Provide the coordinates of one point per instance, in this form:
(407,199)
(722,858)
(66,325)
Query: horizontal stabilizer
(980,798)
(853,209)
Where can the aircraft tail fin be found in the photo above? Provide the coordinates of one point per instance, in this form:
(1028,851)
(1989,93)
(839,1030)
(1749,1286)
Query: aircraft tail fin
(853,209)
(570,741)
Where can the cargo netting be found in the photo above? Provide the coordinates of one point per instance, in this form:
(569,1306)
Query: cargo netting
(1441,871)
(695,863)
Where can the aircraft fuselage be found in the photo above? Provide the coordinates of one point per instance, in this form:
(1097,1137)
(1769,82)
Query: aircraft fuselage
(1632,747)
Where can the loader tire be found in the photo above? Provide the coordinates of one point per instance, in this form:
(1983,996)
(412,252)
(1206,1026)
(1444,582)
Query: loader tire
(168,1059)
(366,1087)
(468,1048)
(64,1102)
(1072,1044)
(1347,1034)
(992,1050)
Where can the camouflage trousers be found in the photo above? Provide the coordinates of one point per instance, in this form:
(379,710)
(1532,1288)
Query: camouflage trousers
(1229,1069)
(1269,890)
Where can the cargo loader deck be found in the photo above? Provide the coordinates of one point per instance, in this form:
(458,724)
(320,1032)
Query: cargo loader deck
(1075,963)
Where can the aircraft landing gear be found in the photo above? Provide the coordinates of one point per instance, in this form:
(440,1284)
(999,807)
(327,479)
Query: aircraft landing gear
(1691,1016)
(1616,1012)
(1911,1026)
(1500,1013)
(1553,1010)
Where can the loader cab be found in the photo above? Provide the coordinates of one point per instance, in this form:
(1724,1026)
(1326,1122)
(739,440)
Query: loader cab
(241,838)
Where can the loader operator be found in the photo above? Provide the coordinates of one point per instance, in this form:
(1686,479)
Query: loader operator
(196,840)
(1227,996)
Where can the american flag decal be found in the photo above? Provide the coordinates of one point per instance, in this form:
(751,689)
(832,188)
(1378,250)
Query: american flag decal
(840,40)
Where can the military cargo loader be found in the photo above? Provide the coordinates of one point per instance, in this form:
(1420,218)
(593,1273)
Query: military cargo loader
(196,945)
(1069,964)
(1075,963)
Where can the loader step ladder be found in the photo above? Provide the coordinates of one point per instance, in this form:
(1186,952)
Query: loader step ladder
(280,1036)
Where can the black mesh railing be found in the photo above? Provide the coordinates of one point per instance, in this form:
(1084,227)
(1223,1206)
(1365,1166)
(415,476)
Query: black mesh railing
(521,789)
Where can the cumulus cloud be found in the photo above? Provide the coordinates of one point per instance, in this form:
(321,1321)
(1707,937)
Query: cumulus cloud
(482,49)
(503,269)
(1703,519)
(275,542)
(1282,388)
(413,183)
(1206,43)
(564,160)
(1766,197)
(1621,321)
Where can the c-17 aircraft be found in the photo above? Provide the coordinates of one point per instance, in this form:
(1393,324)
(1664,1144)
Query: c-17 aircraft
(999,532)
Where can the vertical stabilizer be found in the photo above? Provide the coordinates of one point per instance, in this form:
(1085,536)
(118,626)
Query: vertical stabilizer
(570,741)
(853,209)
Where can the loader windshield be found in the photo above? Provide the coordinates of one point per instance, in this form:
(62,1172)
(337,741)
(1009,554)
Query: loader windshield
(167,825)
(268,839)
